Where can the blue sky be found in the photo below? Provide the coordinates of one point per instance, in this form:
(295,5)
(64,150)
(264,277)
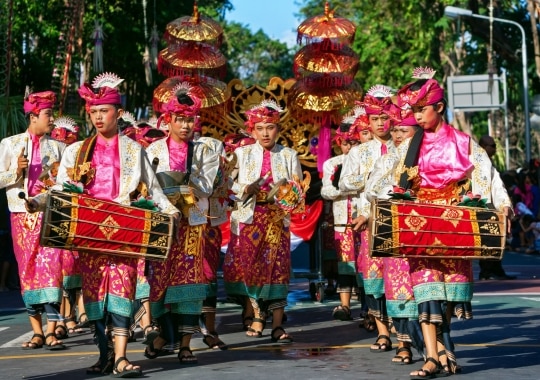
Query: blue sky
(275,17)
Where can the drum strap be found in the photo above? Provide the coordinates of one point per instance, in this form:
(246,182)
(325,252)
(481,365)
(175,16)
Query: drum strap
(189,162)
(411,158)
(84,156)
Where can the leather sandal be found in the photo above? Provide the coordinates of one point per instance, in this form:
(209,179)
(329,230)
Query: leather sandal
(30,345)
(382,347)
(403,360)
(427,373)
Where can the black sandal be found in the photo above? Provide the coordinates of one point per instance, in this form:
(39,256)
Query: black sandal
(279,339)
(343,313)
(83,324)
(427,373)
(187,359)
(33,345)
(256,333)
(149,336)
(382,347)
(55,345)
(61,335)
(212,341)
(403,360)
(125,373)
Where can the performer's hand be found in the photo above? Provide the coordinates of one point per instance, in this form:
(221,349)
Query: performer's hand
(31,205)
(415,183)
(252,188)
(22,163)
(360,223)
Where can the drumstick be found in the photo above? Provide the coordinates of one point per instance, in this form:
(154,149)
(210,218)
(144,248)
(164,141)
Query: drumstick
(155,163)
(22,195)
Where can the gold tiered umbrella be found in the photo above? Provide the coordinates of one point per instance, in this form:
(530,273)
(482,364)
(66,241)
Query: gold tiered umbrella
(194,28)
(319,58)
(192,59)
(310,103)
(326,27)
(325,70)
(212,92)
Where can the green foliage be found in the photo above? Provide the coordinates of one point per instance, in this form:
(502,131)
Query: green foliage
(12,119)
(254,57)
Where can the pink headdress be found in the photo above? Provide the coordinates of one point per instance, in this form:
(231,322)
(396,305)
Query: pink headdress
(401,116)
(429,92)
(183,102)
(268,111)
(377,99)
(39,101)
(65,130)
(349,129)
(102,91)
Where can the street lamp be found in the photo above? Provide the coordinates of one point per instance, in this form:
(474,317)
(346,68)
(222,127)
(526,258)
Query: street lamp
(454,12)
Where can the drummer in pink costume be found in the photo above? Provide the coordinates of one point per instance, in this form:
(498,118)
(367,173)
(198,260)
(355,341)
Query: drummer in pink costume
(118,165)
(40,271)
(449,164)
(357,167)
(179,286)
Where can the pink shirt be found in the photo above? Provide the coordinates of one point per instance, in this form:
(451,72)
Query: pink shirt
(178,152)
(444,157)
(266,168)
(34,170)
(106,161)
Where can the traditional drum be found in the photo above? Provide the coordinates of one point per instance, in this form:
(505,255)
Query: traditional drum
(410,229)
(80,222)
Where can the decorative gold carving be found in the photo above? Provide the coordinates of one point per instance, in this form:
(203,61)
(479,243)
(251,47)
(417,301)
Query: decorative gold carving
(220,121)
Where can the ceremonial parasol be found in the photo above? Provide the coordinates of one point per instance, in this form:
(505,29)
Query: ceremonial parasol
(321,100)
(192,59)
(328,27)
(212,92)
(325,70)
(194,28)
(318,58)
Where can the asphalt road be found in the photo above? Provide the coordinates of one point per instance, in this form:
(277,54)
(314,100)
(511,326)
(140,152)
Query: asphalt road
(501,342)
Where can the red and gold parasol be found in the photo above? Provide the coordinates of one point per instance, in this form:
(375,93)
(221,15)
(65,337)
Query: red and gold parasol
(212,92)
(192,59)
(319,58)
(339,30)
(194,28)
(309,103)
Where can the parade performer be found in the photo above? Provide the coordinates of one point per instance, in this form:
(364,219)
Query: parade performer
(400,302)
(449,164)
(257,262)
(347,241)
(111,167)
(357,167)
(178,285)
(65,131)
(21,160)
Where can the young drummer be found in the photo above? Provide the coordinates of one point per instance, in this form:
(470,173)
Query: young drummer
(40,271)
(357,167)
(178,286)
(118,165)
(449,163)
